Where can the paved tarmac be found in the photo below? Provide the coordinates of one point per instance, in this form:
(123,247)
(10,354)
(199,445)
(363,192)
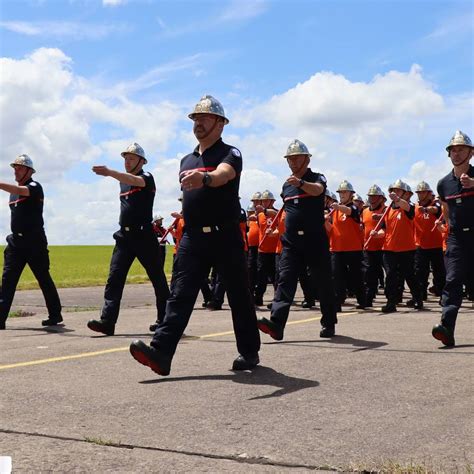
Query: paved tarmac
(383,392)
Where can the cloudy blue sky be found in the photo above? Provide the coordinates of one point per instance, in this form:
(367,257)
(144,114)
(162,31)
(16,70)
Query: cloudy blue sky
(374,88)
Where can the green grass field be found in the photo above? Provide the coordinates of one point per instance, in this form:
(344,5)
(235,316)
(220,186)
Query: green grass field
(84,265)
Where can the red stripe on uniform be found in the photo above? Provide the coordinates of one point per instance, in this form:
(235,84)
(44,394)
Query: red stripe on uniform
(17,201)
(456,196)
(289,198)
(132,191)
(209,168)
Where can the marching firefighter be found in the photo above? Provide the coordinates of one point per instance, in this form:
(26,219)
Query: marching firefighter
(346,246)
(372,262)
(305,243)
(399,247)
(252,239)
(27,244)
(268,242)
(456,192)
(210,178)
(134,239)
(160,231)
(429,241)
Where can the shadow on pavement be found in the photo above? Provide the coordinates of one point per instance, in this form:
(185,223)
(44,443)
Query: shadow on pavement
(50,330)
(261,375)
(362,343)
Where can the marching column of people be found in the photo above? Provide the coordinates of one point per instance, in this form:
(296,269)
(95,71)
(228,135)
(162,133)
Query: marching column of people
(337,249)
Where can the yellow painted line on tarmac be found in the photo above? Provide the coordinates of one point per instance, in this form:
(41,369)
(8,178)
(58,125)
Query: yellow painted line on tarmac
(60,359)
(122,349)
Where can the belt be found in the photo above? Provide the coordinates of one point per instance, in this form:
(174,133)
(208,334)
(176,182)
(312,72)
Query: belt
(212,228)
(27,233)
(135,228)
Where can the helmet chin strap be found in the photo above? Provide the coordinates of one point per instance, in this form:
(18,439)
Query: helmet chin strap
(22,180)
(377,204)
(211,129)
(136,166)
(469,155)
(303,166)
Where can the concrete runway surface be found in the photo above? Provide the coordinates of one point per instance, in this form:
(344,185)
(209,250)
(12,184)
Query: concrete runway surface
(383,391)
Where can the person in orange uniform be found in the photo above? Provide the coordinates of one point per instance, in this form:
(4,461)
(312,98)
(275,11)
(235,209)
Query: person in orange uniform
(429,241)
(346,246)
(329,198)
(267,246)
(252,239)
(217,286)
(399,247)
(177,233)
(372,261)
(160,231)
(177,230)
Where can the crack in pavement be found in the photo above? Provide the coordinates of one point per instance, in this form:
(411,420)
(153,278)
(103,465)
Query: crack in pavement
(243,459)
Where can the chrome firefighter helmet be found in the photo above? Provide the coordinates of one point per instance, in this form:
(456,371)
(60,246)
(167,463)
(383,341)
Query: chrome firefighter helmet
(251,208)
(257,196)
(345,186)
(375,190)
(268,195)
(209,105)
(399,184)
(459,138)
(157,218)
(135,149)
(423,186)
(297,147)
(23,160)
(358,197)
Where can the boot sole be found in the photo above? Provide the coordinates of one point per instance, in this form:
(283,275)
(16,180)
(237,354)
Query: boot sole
(143,359)
(440,336)
(100,330)
(264,328)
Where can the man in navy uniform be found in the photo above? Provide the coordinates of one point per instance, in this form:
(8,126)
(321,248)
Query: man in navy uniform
(27,243)
(456,193)
(134,239)
(305,243)
(210,178)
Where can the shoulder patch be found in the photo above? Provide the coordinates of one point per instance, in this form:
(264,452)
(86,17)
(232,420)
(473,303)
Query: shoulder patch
(236,152)
(323,178)
(33,184)
(146,173)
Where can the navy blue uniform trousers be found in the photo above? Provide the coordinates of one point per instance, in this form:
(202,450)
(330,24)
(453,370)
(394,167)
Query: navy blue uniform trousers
(143,245)
(423,259)
(293,261)
(31,249)
(459,260)
(198,251)
(372,265)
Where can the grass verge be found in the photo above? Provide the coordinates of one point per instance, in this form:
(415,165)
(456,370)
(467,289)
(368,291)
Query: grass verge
(84,265)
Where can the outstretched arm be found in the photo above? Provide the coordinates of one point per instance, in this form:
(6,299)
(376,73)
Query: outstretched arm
(15,189)
(125,178)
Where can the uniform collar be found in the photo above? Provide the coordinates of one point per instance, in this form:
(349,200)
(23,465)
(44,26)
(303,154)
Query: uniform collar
(215,144)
